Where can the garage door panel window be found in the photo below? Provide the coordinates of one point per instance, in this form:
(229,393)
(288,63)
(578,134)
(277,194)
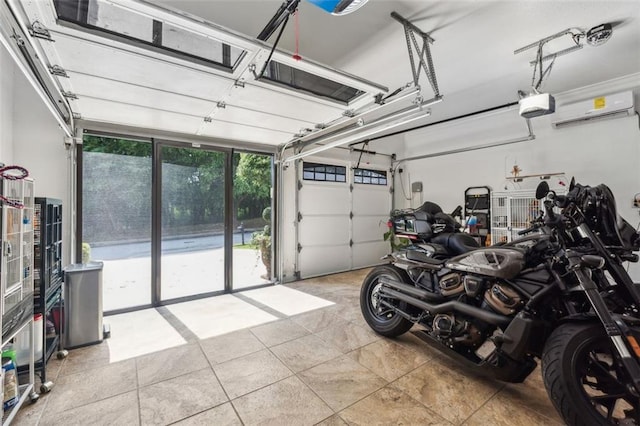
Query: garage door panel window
(370,177)
(284,75)
(323,172)
(128,25)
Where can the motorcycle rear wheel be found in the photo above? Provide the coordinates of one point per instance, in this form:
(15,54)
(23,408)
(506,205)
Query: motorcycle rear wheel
(584,380)
(384,321)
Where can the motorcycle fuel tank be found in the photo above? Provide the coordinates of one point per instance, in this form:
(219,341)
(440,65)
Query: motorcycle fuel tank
(502,263)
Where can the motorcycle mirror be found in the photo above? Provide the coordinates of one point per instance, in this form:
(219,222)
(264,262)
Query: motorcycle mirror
(573,183)
(542,190)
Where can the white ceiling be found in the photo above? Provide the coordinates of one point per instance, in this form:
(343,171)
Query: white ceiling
(473,58)
(473,51)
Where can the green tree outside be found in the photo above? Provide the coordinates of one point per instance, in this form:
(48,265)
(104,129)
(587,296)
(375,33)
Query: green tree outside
(117,189)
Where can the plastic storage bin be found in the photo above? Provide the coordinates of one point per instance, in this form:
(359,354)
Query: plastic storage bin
(82,304)
(23,342)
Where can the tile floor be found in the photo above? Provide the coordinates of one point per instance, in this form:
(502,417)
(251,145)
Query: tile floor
(321,367)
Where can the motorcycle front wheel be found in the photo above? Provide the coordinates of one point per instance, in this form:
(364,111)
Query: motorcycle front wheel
(381,319)
(584,380)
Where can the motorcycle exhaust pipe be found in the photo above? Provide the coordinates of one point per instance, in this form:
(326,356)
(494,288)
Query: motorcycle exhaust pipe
(410,290)
(452,306)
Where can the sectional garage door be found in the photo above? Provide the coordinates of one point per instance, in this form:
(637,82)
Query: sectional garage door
(340,222)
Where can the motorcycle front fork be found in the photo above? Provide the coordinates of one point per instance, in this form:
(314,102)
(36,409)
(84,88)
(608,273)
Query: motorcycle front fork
(617,331)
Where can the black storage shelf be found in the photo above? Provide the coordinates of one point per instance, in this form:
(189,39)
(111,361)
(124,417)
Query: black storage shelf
(51,296)
(47,272)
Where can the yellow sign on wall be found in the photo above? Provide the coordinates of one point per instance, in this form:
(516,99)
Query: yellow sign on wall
(599,103)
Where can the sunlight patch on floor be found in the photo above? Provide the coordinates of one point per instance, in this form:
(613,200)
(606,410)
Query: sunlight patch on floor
(218,315)
(139,333)
(286,300)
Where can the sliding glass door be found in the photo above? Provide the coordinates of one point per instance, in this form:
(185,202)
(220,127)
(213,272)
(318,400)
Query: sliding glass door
(116,217)
(192,221)
(252,219)
(171,221)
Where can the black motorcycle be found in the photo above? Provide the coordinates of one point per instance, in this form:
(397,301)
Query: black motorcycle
(560,294)
(432,232)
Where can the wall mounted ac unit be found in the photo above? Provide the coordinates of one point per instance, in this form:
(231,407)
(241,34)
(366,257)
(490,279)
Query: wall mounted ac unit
(599,108)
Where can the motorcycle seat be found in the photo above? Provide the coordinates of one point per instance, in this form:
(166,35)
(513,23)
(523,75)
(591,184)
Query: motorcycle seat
(457,243)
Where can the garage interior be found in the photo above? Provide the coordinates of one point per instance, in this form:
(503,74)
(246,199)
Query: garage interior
(232,166)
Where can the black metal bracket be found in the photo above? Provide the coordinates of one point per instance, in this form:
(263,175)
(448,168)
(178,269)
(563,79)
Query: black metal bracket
(279,20)
(286,9)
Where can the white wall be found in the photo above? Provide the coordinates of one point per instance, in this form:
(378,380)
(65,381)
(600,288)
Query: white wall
(38,145)
(7,71)
(600,152)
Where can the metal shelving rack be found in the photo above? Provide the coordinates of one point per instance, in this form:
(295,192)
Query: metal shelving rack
(48,274)
(16,278)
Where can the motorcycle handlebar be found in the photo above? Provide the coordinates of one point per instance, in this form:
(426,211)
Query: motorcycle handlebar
(548,208)
(529,229)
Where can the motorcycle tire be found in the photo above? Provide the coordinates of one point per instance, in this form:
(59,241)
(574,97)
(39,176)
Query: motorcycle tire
(389,324)
(579,354)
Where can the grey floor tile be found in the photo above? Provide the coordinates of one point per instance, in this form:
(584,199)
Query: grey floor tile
(343,297)
(388,359)
(278,332)
(341,382)
(29,414)
(118,410)
(318,320)
(85,359)
(351,313)
(348,337)
(175,399)
(223,348)
(54,367)
(390,407)
(89,386)
(447,389)
(170,363)
(288,402)
(250,372)
(334,420)
(501,411)
(531,394)
(223,415)
(305,352)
